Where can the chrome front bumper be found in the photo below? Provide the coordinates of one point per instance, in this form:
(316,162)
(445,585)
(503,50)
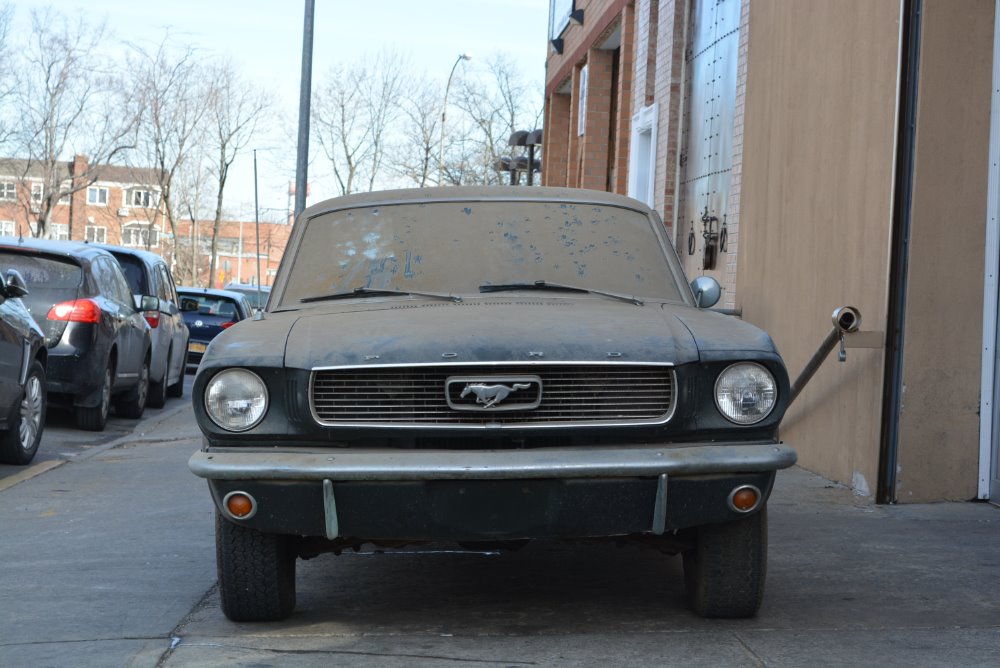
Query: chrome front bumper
(408,465)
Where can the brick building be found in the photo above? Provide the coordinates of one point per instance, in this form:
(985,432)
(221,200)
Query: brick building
(123,207)
(809,155)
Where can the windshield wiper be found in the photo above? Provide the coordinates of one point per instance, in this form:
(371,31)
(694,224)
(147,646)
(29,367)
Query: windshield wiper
(545,285)
(376,292)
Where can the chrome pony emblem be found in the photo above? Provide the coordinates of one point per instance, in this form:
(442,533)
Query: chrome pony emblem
(480,393)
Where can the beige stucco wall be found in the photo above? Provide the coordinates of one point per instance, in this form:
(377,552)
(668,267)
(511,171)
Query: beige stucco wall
(939,421)
(815,210)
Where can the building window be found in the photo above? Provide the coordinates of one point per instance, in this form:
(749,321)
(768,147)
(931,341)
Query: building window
(142,235)
(8,191)
(8,228)
(581,118)
(559,11)
(642,156)
(60,231)
(37,192)
(142,198)
(97,195)
(64,198)
(96,234)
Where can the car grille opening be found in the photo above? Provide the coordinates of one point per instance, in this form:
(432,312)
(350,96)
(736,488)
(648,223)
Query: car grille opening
(572,395)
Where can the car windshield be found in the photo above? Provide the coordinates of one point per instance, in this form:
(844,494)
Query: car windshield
(456,247)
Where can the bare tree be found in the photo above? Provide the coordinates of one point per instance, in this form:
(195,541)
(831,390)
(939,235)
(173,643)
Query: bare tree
(353,111)
(414,155)
(495,105)
(6,74)
(173,86)
(70,102)
(234,110)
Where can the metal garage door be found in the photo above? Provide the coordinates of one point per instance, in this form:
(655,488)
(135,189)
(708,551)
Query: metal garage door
(706,158)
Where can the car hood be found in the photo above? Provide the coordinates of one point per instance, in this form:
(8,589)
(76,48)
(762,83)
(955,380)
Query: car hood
(515,330)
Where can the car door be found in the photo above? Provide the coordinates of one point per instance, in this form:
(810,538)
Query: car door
(171,308)
(128,324)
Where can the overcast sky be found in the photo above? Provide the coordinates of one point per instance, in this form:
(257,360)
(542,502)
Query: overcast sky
(264,39)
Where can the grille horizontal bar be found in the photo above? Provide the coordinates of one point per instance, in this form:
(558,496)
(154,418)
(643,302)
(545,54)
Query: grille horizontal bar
(572,395)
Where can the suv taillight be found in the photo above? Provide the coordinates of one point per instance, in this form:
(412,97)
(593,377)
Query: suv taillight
(152,317)
(78,310)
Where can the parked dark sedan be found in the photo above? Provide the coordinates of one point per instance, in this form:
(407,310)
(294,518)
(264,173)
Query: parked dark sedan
(148,275)
(488,366)
(98,342)
(22,374)
(207,313)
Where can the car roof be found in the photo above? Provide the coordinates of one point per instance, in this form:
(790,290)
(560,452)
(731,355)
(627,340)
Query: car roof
(211,292)
(248,286)
(146,256)
(73,250)
(474,194)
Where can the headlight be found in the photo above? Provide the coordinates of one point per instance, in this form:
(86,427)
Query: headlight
(745,393)
(236,399)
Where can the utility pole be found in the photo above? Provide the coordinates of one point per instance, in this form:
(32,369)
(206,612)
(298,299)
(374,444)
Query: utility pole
(305,94)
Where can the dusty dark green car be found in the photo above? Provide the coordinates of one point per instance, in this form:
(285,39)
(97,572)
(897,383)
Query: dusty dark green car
(486,366)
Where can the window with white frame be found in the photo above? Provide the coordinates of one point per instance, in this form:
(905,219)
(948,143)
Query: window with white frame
(37,192)
(581,118)
(96,234)
(8,228)
(8,190)
(97,195)
(642,156)
(141,235)
(60,231)
(64,198)
(141,197)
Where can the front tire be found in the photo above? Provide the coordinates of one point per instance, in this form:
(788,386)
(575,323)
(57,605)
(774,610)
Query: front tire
(724,572)
(19,444)
(256,573)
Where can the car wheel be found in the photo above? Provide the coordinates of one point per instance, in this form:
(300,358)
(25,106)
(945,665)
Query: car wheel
(158,390)
(177,389)
(133,403)
(724,572)
(256,573)
(96,417)
(19,444)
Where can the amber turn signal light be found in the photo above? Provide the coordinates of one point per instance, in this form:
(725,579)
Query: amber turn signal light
(744,499)
(240,505)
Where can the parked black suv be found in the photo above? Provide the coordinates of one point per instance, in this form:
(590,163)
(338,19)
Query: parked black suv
(22,375)
(98,342)
(148,274)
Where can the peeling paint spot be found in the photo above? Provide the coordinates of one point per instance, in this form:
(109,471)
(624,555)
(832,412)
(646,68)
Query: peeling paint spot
(860,485)
(467,211)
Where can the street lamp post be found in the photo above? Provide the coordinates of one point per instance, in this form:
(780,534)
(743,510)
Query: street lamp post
(444,113)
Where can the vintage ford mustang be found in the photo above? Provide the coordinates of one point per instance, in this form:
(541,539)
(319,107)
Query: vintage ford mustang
(485,366)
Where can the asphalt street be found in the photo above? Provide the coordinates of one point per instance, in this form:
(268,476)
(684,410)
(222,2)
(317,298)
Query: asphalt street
(108,560)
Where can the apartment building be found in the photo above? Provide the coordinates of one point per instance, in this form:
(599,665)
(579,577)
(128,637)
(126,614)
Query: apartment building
(123,206)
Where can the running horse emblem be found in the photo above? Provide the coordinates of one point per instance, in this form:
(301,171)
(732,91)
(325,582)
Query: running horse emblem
(491,395)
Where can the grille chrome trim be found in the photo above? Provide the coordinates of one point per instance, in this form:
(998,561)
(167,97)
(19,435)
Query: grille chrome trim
(577,394)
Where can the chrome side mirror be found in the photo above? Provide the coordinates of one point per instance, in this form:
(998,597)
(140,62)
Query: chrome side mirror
(149,303)
(707,291)
(15,287)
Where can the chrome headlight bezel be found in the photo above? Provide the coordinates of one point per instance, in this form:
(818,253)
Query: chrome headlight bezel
(244,387)
(760,383)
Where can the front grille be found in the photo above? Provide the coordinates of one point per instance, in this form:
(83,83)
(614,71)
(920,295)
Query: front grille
(572,395)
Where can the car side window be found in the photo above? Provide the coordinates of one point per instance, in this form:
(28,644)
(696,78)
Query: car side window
(166,284)
(117,287)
